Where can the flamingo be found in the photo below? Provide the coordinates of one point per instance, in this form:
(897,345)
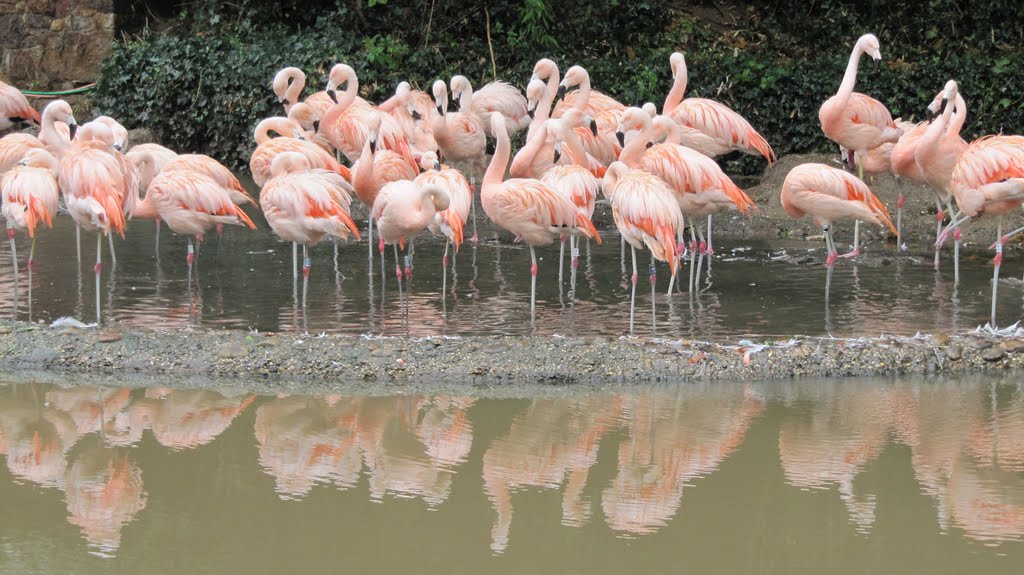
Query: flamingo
(449,222)
(602,145)
(288,85)
(460,137)
(535,158)
(403,209)
(414,111)
(58,128)
(723,130)
(308,118)
(647,214)
(528,208)
(594,103)
(119,132)
(30,196)
(375,169)
(988,180)
(496,96)
(573,181)
(936,155)
(15,109)
(149,160)
(190,202)
(855,121)
(292,132)
(303,204)
(14,147)
(828,194)
(96,193)
(346,124)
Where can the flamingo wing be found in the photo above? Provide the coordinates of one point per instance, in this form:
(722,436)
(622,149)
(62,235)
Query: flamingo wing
(647,213)
(575,183)
(30,195)
(14,108)
(13,148)
(504,98)
(531,206)
(723,124)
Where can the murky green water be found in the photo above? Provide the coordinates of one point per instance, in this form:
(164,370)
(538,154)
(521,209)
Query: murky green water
(755,289)
(848,476)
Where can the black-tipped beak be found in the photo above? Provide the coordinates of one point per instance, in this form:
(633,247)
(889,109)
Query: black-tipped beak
(333,95)
(286,102)
(649,144)
(373,146)
(878,64)
(561,91)
(942,108)
(530,112)
(440,111)
(117,147)
(74,130)
(558,156)
(621,138)
(316,126)
(593,127)
(416,115)
(437,166)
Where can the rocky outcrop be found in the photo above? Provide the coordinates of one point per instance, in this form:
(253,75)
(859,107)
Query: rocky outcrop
(54,44)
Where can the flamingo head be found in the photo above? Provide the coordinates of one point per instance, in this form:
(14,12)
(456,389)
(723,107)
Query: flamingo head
(284,80)
(304,114)
(438,196)
(651,108)
(287,163)
(428,161)
(39,158)
(677,62)
(632,119)
(460,85)
(662,126)
(60,111)
(611,178)
(868,44)
(574,77)
(534,92)
(341,75)
(544,69)
(440,90)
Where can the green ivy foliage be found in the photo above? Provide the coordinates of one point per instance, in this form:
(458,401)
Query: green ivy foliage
(204,86)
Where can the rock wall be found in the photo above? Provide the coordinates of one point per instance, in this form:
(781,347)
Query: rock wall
(54,44)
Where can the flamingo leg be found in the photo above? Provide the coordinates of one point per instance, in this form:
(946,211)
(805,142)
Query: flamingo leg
(97,268)
(472,205)
(561,260)
(295,260)
(574,250)
(654,300)
(939,217)
(113,255)
(14,252)
(444,274)
(533,284)
(78,243)
(622,253)
(899,215)
(398,269)
(710,250)
(306,267)
(856,242)
(693,252)
(632,295)
(157,248)
(998,262)
(31,264)
(409,253)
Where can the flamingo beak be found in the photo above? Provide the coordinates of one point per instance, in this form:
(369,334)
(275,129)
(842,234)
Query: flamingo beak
(878,64)
(416,115)
(117,147)
(373,146)
(561,91)
(333,95)
(558,155)
(437,166)
(440,110)
(73,127)
(286,102)
(530,111)
(593,126)
(316,126)
(621,138)
(649,144)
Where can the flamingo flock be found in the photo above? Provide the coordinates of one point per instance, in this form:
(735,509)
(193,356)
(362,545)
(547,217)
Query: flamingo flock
(414,164)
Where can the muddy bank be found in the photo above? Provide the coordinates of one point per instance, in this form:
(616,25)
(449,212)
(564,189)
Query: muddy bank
(337,359)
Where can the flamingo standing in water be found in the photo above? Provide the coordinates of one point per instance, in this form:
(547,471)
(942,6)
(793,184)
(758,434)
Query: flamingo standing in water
(828,194)
(402,210)
(96,193)
(460,136)
(937,153)
(15,109)
(988,179)
(303,204)
(30,196)
(449,222)
(149,160)
(647,214)
(528,208)
(855,121)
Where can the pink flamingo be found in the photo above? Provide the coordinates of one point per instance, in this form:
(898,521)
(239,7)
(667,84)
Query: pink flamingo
(601,146)
(936,155)
(308,118)
(855,121)
(302,205)
(414,111)
(96,193)
(288,85)
(58,128)
(449,222)
(496,96)
(267,148)
(149,159)
(988,180)
(403,209)
(346,124)
(375,169)
(724,129)
(594,102)
(829,194)
(190,203)
(573,181)
(647,214)
(30,196)
(14,108)
(117,131)
(460,137)
(528,208)
(535,158)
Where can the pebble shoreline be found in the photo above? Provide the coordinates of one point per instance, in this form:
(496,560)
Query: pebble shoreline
(340,360)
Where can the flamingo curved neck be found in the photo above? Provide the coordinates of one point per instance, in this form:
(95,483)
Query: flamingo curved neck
(633,153)
(850,77)
(675,95)
(583,93)
(543,110)
(145,207)
(961,116)
(363,181)
(521,164)
(572,141)
(933,134)
(294,92)
(346,100)
(263,129)
(499,161)
(466,99)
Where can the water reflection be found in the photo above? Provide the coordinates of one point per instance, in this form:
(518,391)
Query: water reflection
(616,463)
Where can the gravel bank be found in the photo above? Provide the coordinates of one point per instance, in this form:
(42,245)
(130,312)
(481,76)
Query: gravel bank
(340,360)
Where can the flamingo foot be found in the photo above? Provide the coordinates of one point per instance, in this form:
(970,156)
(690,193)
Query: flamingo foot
(533,270)
(380,246)
(635,277)
(899,202)
(998,260)
(851,255)
(10,233)
(98,267)
(474,239)
(831,259)
(398,272)
(517,240)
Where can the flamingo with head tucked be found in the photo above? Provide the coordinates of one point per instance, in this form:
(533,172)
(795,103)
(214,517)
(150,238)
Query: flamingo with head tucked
(15,109)
(30,197)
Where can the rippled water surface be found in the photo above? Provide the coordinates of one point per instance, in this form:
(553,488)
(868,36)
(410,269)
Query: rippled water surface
(245,281)
(813,477)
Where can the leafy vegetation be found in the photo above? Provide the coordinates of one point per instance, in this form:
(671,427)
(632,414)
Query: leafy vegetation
(205,85)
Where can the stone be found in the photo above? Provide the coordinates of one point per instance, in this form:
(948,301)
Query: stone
(5,329)
(57,25)
(1013,345)
(110,336)
(993,354)
(938,340)
(954,352)
(232,350)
